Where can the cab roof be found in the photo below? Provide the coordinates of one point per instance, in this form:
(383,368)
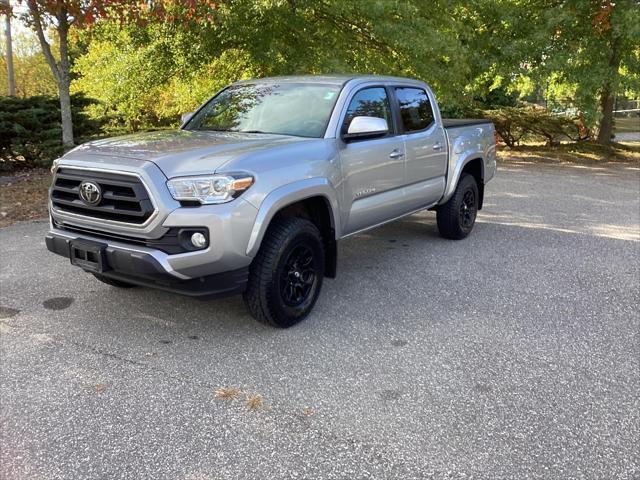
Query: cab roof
(328,79)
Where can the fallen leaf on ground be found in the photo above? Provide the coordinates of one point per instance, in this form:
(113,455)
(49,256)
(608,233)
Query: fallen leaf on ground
(254,402)
(226,393)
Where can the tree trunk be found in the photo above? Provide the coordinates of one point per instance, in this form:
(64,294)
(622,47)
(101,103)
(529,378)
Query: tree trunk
(607,94)
(65,113)
(11,79)
(606,123)
(60,70)
(65,81)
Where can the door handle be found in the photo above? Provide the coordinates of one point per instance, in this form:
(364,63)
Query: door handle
(437,146)
(396,154)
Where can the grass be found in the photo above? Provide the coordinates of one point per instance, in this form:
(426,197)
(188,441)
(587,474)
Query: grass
(23,196)
(582,152)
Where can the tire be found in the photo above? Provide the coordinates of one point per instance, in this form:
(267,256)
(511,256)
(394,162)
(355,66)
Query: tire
(113,282)
(457,217)
(286,275)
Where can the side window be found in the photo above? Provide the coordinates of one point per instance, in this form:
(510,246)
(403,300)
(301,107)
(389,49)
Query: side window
(369,102)
(415,108)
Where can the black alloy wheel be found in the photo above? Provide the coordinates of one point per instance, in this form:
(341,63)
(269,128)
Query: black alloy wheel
(298,276)
(468,209)
(457,217)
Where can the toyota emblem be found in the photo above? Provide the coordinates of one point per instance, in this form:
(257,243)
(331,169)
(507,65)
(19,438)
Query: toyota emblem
(90,193)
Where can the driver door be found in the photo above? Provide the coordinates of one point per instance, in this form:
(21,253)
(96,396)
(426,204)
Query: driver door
(373,169)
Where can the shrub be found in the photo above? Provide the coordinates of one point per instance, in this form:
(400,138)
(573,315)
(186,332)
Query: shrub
(514,124)
(31,132)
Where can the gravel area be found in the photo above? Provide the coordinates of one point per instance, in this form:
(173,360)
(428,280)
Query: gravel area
(512,354)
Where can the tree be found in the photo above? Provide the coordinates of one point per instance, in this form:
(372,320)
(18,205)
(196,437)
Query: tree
(62,15)
(11,79)
(148,61)
(616,28)
(578,53)
(32,74)
(58,14)
(593,47)
(145,74)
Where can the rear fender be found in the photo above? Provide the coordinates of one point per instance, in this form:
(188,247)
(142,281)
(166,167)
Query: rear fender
(464,147)
(455,171)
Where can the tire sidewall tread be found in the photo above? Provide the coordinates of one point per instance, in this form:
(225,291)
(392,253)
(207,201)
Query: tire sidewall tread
(447,215)
(263,302)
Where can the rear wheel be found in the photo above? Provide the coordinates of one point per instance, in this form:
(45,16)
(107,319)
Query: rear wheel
(113,282)
(457,217)
(285,277)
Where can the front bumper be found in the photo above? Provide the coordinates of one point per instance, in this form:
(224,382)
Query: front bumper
(136,251)
(146,268)
(229,226)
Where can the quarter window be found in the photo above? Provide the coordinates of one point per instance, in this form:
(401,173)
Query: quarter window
(415,108)
(369,102)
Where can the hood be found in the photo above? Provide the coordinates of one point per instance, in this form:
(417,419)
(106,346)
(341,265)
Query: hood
(184,152)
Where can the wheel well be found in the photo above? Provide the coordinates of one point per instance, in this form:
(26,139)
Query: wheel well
(318,211)
(474,167)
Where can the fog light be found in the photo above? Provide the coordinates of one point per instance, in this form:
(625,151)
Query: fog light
(198,240)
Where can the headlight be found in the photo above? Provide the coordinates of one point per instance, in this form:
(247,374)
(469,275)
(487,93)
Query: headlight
(54,165)
(210,188)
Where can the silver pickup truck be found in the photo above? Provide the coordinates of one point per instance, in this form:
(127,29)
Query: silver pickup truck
(253,192)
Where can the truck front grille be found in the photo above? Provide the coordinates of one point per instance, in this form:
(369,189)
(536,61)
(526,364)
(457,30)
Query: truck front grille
(123,198)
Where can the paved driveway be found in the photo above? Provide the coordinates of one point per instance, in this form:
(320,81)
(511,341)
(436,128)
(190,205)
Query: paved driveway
(512,354)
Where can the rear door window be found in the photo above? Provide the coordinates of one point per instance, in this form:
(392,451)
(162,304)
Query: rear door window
(415,108)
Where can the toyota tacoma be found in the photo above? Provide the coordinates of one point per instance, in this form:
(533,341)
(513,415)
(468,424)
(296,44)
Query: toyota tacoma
(252,194)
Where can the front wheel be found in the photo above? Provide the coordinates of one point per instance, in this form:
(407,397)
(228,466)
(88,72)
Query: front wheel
(285,277)
(457,217)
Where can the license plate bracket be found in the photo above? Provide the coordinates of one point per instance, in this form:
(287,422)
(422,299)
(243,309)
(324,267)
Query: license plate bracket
(89,256)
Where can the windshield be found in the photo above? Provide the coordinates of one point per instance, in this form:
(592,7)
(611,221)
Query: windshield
(286,109)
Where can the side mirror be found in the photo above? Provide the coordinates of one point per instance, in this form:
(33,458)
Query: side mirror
(185,117)
(366,127)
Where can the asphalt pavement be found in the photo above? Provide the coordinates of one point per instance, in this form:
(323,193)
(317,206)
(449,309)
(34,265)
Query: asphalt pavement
(512,354)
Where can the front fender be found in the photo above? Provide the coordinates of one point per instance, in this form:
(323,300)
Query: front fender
(287,195)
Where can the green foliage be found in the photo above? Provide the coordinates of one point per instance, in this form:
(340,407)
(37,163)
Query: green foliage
(569,52)
(166,58)
(143,85)
(32,74)
(514,124)
(146,75)
(30,130)
(497,97)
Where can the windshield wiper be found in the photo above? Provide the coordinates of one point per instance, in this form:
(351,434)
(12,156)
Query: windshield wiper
(251,131)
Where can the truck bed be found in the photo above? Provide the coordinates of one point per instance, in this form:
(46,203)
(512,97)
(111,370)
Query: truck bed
(462,122)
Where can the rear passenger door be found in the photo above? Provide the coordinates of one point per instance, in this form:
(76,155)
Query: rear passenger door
(425,143)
